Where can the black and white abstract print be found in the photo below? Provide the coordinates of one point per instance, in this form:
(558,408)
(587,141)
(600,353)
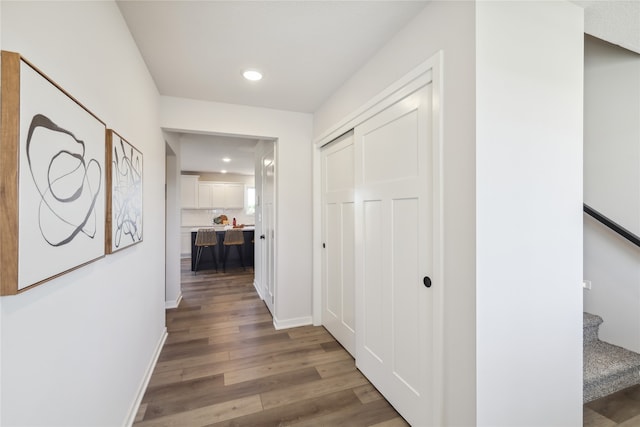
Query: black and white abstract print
(62,186)
(126,208)
(67,181)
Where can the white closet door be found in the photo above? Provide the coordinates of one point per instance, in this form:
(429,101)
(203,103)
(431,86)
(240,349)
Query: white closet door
(394,245)
(338,263)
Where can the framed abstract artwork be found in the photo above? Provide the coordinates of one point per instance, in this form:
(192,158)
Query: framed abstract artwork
(52,179)
(124,193)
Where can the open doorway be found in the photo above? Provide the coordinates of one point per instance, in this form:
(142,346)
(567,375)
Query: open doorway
(220,186)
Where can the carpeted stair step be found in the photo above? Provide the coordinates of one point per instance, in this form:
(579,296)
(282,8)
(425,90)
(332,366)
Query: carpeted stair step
(590,325)
(607,368)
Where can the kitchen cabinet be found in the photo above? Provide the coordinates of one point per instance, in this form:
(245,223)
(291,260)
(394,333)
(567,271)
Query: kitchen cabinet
(233,259)
(213,195)
(205,195)
(234,196)
(189,191)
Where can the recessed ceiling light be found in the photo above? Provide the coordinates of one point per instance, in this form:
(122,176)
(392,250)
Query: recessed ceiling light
(226,159)
(223,171)
(252,75)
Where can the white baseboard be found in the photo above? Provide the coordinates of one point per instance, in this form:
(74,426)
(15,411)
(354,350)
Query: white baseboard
(258,290)
(173,304)
(131,417)
(292,323)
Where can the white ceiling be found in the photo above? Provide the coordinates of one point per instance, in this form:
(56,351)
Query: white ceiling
(305,49)
(204,153)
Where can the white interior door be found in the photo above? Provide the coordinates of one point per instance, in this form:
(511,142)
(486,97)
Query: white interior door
(268,227)
(394,211)
(338,257)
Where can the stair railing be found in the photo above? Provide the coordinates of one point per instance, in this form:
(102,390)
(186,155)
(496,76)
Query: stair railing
(612,225)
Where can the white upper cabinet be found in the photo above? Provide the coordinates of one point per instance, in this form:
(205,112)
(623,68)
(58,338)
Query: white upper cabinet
(189,191)
(234,196)
(205,199)
(213,195)
(218,191)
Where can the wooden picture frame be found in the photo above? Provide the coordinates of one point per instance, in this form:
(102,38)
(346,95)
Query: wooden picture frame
(124,193)
(52,179)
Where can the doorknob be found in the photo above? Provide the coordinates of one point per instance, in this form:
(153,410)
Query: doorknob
(262,236)
(427,281)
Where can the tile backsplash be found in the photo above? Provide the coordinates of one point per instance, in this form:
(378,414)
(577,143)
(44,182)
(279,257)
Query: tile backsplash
(203,217)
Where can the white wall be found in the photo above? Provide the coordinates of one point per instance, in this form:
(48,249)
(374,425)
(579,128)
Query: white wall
(293,182)
(527,190)
(612,132)
(612,186)
(75,349)
(450,27)
(173,291)
(529,213)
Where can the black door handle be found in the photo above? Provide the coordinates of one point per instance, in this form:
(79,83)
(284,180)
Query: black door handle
(262,236)
(427,281)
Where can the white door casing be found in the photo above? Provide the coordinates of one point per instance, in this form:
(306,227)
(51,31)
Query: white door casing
(268,227)
(338,263)
(394,211)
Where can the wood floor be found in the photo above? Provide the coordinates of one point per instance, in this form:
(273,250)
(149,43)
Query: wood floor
(224,364)
(619,409)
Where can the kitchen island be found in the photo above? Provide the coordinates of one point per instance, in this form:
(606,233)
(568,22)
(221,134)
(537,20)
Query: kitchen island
(233,259)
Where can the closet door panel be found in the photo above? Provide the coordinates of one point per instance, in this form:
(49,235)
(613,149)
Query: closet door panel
(338,269)
(394,247)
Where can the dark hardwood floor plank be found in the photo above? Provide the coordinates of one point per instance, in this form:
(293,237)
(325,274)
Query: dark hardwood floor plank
(247,362)
(397,421)
(181,389)
(353,416)
(306,331)
(230,306)
(203,416)
(340,366)
(163,378)
(259,326)
(236,322)
(186,335)
(208,318)
(292,364)
(191,361)
(276,348)
(225,364)
(309,409)
(367,393)
(332,346)
(312,389)
(208,391)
